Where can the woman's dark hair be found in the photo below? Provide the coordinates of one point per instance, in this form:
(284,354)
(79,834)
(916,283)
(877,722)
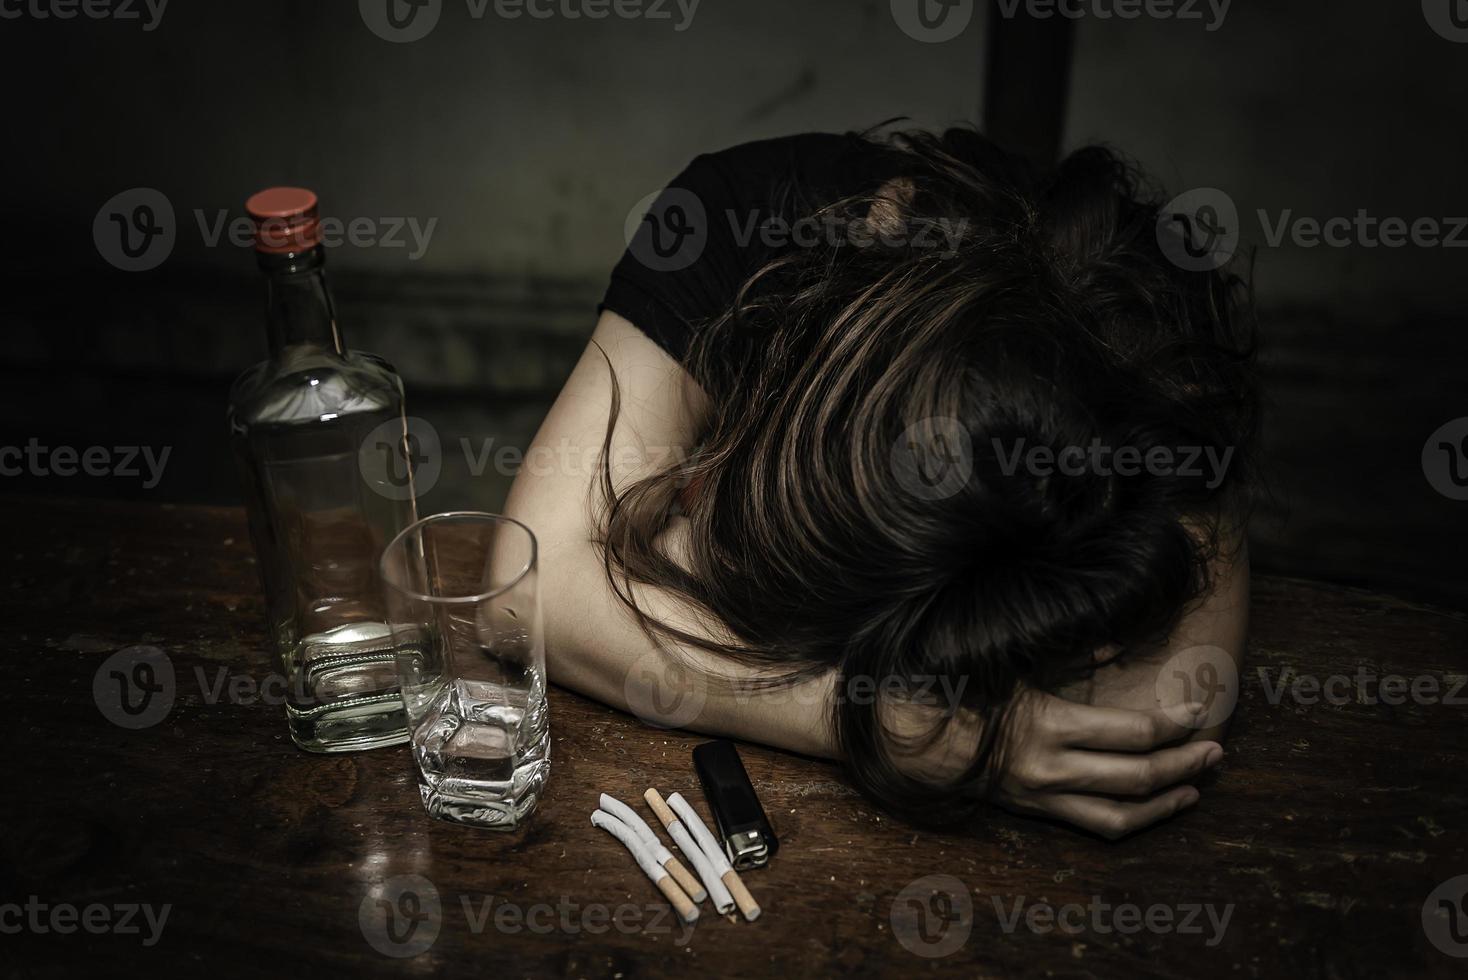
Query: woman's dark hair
(856,504)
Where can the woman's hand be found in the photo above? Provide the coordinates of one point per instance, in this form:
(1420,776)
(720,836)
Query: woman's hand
(1103,755)
(1111,771)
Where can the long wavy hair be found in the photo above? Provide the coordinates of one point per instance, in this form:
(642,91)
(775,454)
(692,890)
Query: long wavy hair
(854,504)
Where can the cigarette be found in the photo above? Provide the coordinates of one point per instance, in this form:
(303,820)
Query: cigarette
(715,854)
(717,890)
(663,856)
(645,860)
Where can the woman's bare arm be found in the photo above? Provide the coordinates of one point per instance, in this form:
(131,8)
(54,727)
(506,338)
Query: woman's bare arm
(593,644)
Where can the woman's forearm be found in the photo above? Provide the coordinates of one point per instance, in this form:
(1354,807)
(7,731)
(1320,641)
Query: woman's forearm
(595,647)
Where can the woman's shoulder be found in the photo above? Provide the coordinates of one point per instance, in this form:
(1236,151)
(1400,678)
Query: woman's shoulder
(762,171)
(781,152)
(721,218)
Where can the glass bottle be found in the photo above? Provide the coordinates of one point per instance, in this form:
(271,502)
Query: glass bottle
(318,434)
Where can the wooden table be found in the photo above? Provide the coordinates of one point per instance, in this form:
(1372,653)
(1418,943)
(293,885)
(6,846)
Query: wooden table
(1326,830)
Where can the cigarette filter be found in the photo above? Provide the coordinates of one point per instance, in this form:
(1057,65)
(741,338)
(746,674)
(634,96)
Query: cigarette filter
(712,880)
(674,867)
(715,855)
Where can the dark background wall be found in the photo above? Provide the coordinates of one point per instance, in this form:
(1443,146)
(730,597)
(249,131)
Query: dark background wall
(528,142)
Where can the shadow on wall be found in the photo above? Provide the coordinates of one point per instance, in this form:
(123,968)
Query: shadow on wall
(509,154)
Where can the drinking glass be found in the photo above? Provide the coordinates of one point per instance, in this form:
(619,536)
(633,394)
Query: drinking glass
(464,610)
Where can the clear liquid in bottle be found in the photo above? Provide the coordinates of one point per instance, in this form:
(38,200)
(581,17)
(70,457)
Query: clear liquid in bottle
(318,435)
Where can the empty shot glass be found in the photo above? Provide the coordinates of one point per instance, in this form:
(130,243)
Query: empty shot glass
(464,611)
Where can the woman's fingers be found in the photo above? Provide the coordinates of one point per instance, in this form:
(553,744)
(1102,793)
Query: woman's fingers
(1135,775)
(1111,771)
(1086,726)
(1113,819)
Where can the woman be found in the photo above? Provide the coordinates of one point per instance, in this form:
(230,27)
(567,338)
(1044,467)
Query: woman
(816,390)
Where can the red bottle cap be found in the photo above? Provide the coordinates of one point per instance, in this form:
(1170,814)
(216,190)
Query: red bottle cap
(285,220)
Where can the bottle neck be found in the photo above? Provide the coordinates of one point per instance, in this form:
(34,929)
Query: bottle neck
(299,311)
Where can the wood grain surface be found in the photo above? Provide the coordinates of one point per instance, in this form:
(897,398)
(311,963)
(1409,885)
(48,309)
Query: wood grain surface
(1321,838)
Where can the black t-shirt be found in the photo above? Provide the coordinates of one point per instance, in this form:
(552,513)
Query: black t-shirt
(721,220)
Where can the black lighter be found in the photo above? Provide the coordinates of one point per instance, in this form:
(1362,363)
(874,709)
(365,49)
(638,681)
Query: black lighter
(743,827)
